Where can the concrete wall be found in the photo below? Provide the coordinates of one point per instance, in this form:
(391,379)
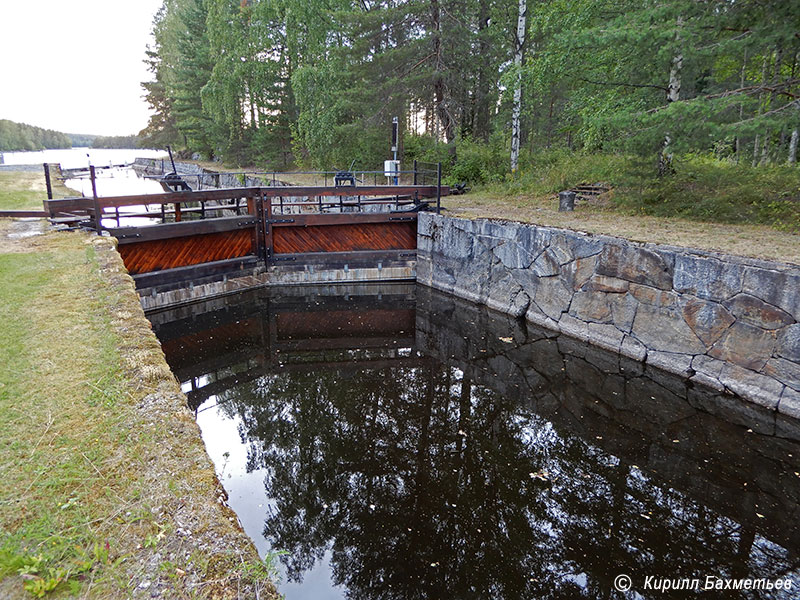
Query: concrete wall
(723,321)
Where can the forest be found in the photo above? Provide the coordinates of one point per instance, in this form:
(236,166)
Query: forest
(483,85)
(19,136)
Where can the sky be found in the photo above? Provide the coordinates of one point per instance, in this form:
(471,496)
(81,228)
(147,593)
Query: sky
(75,65)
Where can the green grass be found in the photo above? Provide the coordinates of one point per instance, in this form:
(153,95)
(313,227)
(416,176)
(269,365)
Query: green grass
(21,190)
(60,365)
(701,189)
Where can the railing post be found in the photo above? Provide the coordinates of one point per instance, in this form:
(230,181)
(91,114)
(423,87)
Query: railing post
(47,181)
(438,188)
(98,215)
(415,171)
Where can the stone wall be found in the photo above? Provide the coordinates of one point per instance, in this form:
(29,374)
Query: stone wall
(727,322)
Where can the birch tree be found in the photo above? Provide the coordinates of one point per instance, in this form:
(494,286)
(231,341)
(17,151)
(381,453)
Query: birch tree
(517,107)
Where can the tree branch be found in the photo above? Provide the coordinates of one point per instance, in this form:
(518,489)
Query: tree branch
(634,85)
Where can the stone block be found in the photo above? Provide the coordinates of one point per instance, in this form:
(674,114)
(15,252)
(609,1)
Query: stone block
(783,370)
(535,315)
(577,272)
(654,297)
(761,389)
(665,330)
(623,311)
(546,264)
(605,336)
(589,306)
(756,312)
(778,288)
(744,345)
(560,248)
(573,327)
(552,297)
(789,404)
(673,362)
(426,223)
(603,283)
(707,278)
(507,296)
(708,320)
(633,348)
(635,264)
(789,342)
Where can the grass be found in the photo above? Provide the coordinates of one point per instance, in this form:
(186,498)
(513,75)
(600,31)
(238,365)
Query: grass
(707,204)
(21,190)
(102,462)
(25,190)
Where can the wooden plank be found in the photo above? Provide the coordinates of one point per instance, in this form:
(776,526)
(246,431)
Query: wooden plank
(342,218)
(182,197)
(345,238)
(156,255)
(232,267)
(421,191)
(59,205)
(127,235)
(23,213)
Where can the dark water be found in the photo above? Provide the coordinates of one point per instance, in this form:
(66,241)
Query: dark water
(400,443)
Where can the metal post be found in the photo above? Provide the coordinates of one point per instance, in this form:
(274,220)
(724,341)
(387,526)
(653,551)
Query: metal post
(415,171)
(438,188)
(47,181)
(98,216)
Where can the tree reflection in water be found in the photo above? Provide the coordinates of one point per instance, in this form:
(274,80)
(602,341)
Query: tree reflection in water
(477,457)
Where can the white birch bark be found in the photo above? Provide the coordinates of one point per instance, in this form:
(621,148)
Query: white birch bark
(517,107)
(673,95)
(793,147)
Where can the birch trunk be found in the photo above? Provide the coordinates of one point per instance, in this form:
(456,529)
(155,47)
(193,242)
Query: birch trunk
(793,147)
(673,95)
(517,108)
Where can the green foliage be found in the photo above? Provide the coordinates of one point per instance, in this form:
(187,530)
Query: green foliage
(19,136)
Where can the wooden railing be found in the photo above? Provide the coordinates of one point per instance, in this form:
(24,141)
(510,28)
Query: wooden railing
(272,224)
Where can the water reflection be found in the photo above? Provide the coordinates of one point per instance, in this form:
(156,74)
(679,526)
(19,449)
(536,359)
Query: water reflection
(418,446)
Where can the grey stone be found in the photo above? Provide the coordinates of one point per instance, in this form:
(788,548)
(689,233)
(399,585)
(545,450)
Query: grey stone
(654,297)
(507,296)
(756,312)
(535,315)
(665,330)
(426,222)
(546,264)
(783,370)
(707,278)
(424,271)
(560,248)
(573,327)
(789,343)
(778,288)
(552,297)
(744,345)
(605,336)
(761,389)
(673,362)
(635,264)
(582,245)
(577,272)
(566,201)
(633,348)
(623,311)
(789,404)
(603,283)
(590,306)
(513,255)
(708,320)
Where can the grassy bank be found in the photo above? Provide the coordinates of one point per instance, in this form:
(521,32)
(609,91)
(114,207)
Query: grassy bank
(708,204)
(25,190)
(107,489)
